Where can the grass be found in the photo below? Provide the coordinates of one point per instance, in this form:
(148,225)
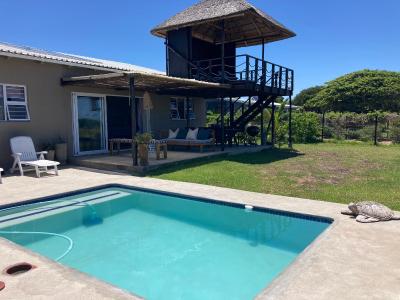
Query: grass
(335,172)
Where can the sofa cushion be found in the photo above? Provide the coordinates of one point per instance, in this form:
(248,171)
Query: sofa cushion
(192,134)
(201,142)
(178,141)
(182,134)
(204,134)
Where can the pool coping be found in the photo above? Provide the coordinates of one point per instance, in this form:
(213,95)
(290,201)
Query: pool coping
(312,217)
(275,282)
(278,283)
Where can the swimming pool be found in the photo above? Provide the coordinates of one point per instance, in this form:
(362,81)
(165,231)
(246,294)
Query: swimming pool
(164,246)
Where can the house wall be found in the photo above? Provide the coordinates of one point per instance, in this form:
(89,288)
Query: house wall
(160,114)
(50,104)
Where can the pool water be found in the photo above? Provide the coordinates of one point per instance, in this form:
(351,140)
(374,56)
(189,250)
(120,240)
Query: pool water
(162,246)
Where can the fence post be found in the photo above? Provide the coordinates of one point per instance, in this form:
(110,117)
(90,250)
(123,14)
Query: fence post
(290,142)
(323,127)
(376,131)
(273,124)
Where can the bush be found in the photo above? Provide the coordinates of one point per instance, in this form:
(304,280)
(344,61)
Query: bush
(395,133)
(281,133)
(366,134)
(306,127)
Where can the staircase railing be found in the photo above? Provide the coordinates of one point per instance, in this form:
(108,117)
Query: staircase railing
(236,107)
(245,69)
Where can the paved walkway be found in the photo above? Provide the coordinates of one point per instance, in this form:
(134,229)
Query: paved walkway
(348,261)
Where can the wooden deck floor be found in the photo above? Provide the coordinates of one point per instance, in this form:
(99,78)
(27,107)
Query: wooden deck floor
(123,161)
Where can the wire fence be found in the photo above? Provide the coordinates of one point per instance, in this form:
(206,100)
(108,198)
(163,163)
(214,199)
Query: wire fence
(375,127)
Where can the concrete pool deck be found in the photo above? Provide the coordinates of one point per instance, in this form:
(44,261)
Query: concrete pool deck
(348,261)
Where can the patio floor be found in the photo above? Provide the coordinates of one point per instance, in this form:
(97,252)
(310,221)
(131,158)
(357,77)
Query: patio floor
(350,260)
(123,160)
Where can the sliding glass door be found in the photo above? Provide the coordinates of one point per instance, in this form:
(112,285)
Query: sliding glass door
(89,124)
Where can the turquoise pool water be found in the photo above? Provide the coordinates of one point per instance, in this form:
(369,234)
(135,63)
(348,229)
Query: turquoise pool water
(160,246)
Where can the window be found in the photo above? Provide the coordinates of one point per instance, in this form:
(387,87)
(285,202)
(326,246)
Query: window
(13,103)
(180,109)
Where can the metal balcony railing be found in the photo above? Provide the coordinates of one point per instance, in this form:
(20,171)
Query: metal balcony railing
(243,69)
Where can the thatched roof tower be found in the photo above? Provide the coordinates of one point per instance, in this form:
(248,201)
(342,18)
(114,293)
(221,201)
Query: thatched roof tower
(244,24)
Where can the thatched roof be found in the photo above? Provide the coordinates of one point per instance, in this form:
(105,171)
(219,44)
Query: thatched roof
(244,24)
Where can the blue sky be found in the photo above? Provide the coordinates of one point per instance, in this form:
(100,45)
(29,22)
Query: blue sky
(333,37)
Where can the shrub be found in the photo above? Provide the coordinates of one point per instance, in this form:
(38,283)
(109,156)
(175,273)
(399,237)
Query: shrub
(395,132)
(306,127)
(281,134)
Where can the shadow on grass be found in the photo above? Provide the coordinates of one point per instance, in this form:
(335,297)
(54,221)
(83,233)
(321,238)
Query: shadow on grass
(258,158)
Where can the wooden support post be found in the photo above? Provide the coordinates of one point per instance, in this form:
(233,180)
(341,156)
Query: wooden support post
(231,112)
(223,52)
(187,113)
(263,50)
(256,72)
(222,108)
(166,56)
(263,137)
(247,67)
(273,123)
(273,76)
(231,119)
(290,144)
(134,117)
(264,67)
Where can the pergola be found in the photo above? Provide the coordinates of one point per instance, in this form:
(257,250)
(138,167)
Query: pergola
(149,82)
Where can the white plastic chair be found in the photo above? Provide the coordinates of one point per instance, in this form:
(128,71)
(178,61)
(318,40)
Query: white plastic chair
(1,170)
(24,153)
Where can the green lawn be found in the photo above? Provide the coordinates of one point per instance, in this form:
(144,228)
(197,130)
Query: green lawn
(330,172)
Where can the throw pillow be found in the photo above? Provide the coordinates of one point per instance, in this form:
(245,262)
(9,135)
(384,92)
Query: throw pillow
(173,134)
(192,134)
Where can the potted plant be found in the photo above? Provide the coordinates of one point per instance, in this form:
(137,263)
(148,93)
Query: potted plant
(143,140)
(51,150)
(61,151)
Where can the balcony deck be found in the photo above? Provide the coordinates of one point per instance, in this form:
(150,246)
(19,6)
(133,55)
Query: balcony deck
(246,74)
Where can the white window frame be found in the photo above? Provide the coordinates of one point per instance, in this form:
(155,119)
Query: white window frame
(7,117)
(177,99)
(75,125)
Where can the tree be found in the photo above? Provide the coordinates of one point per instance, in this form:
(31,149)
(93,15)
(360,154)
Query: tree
(307,94)
(362,91)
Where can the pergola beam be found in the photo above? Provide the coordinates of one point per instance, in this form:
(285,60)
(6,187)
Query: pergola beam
(157,83)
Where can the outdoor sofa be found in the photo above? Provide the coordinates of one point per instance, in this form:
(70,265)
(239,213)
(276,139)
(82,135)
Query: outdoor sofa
(204,137)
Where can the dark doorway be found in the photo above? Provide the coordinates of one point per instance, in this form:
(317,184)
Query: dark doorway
(118,117)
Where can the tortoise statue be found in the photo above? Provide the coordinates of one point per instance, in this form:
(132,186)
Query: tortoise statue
(369,211)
